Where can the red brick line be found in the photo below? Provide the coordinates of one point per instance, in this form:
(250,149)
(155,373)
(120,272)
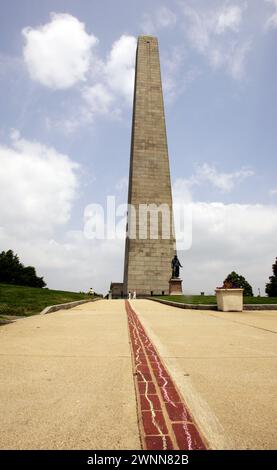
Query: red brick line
(165,421)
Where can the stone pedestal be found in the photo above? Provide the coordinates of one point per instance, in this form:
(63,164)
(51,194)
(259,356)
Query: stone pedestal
(229,300)
(175,287)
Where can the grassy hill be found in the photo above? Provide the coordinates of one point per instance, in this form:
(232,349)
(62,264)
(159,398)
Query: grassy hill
(25,301)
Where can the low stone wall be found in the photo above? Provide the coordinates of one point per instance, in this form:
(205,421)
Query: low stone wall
(213,307)
(260,307)
(55,308)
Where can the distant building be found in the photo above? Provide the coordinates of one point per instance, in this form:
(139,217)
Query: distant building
(116,289)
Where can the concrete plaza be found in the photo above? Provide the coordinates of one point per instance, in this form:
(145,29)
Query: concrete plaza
(67,379)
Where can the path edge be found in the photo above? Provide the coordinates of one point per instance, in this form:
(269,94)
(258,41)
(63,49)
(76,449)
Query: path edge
(55,308)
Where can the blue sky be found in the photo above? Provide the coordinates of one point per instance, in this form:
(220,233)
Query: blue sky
(66,72)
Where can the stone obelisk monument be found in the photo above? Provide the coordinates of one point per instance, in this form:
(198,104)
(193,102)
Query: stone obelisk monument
(147,267)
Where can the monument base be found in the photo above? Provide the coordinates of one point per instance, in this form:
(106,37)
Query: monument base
(175,286)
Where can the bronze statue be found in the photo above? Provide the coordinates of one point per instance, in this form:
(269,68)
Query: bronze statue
(175,265)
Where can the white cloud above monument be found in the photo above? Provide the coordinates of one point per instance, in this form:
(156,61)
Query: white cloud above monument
(222,180)
(271,22)
(120,66)
(62,54)
(213,31)
(58,54)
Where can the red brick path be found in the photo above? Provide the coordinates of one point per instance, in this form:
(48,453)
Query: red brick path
(165,422)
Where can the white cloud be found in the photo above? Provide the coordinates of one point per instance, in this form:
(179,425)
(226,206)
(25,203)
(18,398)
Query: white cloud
(199,28)
(271,22)
(177,73)
(221,180)
(174,86)
(228,18)
(171,63)
(37,187)
(233,59)
(273,192)
(214,34)
(109,83)
(71,122)
(114,81)
(58,54)
(99,98)
(37,191)
(236,62)
(120,67)
(225,238)
(204,25)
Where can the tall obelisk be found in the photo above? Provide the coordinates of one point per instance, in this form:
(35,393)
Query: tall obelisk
(147,267)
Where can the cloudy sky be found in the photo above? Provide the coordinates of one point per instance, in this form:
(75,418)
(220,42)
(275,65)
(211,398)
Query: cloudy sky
(66,72)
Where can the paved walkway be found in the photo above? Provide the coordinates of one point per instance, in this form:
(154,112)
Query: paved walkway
(225,365)
(66,381)
(164,418)
(67,377)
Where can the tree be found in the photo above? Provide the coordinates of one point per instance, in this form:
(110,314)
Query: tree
(271,287)
(29,278)
(240,282)
(14,272)
(10,267)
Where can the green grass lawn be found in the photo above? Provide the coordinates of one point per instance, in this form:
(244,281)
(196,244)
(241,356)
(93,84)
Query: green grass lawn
(211,299)
(190,299)
(24,301)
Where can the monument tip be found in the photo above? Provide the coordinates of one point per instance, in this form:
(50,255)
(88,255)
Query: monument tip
(148,38)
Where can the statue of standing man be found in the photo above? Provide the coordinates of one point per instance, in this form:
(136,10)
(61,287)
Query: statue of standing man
(175,265)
